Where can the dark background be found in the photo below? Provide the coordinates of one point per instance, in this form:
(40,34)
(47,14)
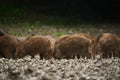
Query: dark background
(95,10)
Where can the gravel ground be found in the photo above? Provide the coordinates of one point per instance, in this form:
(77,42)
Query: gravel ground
(72,69)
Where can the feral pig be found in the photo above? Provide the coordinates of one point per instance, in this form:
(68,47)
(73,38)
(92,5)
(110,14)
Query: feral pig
(69,46)
(92,42)
(34,45)
(8,45)
(107,45)
(52,43)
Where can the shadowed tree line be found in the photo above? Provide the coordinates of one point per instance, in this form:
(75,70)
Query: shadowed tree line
(101,10)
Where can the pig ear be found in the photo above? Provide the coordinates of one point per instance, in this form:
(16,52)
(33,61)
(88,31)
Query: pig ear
(2,33)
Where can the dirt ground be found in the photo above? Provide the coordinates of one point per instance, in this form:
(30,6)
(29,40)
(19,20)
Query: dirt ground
(72,69)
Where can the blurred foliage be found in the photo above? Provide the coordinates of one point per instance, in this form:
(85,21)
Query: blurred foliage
(23,21)
(37,15)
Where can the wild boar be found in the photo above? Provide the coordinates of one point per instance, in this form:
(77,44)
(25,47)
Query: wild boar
(107,45)
(8,45)
(69,46)
(34,45)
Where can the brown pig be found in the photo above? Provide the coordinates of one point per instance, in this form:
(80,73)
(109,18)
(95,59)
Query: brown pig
(34,45)
(107,45)
(8,45)
(69,46)
(52,43)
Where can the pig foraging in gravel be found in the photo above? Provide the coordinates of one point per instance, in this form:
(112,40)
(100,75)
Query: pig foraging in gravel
(107,45)
(52,43)
(34,45)
(8,45)
(69,46)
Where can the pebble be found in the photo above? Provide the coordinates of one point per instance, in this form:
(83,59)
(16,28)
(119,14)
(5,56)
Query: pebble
(72,69)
